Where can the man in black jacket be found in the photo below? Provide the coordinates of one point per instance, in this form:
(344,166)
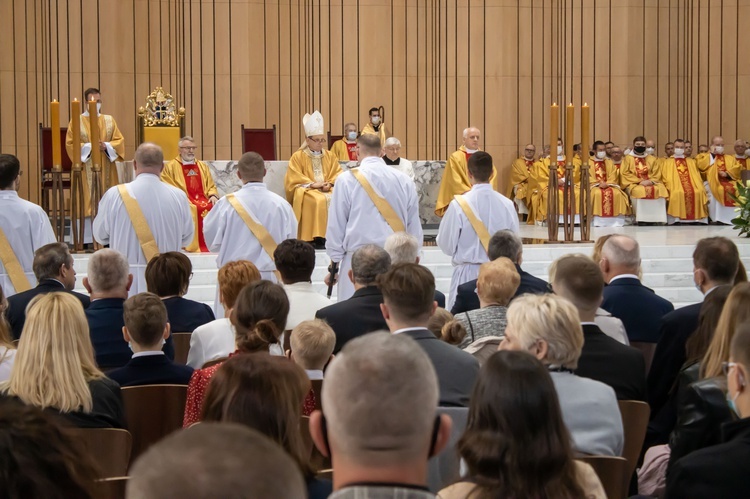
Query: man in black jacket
(578,279)
(53,268)
(502,243)
(361,313)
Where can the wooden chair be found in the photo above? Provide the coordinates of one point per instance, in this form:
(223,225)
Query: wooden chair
(45,161)
(317,386)
(260,140)
(635,416)
(109,447)
(333,138)
(112,488)
(152,412)
(214,362)
(647,349)
(612,472)
(181,347)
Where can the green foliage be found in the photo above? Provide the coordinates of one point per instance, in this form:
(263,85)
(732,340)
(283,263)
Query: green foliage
(742,221)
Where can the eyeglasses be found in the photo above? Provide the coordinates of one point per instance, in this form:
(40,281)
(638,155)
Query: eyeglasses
(193,148)
(317,141)
(726,366)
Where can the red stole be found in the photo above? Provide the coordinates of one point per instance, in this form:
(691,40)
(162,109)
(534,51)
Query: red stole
(608,196)
(742,162)
(726,183)
(641,170)
(352,150)
(600,171)
(687,186)
(194,186)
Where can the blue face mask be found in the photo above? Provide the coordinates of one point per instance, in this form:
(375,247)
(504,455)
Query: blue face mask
(351,135)
(732,405)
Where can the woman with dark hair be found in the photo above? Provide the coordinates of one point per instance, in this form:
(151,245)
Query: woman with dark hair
(516,443)
(265,393)
(259,317)
(168,277)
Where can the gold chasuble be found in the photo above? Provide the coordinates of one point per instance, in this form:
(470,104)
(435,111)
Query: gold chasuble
(519,179)
(609,202)
(380,132)
(539,182)
(720,186)
(310,205)
(108,132)
(344,150)
(635,170)
(687,197)
(456,179)
(196,181)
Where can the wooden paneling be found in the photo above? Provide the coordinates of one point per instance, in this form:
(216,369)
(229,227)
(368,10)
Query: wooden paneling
(661,68)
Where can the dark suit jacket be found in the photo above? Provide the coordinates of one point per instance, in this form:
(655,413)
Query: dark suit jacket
(456,370)
(356,316)
(105,327)
(440,298)
(718,471)
(467,299)
(609,361)
(16,312)
(638,307)
(185,316)
(151,370)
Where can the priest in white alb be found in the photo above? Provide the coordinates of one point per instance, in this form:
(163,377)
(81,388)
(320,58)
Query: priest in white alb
(470,220)
(24,226)
(371,202)
(144,217)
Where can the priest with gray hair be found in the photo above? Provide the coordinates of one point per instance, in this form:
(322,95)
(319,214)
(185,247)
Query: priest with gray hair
(392,150)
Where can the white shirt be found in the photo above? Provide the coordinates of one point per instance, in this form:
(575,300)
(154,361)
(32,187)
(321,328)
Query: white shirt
(314,374)
(167,211)
(27,228)
(227,234)
(147,353)
(353,219)
(405,167)
(405,329)
(624,276)
(210,342)
(457,238)
(304,301)
(7,357)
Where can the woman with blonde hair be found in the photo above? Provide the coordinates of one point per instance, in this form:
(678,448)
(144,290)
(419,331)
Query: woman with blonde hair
(7,349)
(55,370)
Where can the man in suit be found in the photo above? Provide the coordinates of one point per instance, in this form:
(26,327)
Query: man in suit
(380,445)
(721,470)
(577,278)
(404,248)
(108,281)
(715,263)
(53,268)
(503,243)
(360,314)
(639,308)
(408,303)
(146,330)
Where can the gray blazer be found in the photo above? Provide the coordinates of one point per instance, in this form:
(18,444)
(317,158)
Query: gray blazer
(590,411)
(456,370)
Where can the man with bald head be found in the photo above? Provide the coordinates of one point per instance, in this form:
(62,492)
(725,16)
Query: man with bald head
(370,203)
(625,297)
(227,232)
(740,153)
(456,175)
(145,216)
(720,171)
(521,170)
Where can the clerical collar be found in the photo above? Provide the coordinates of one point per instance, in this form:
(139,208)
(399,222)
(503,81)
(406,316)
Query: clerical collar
(679,157)
(390,161)
(186,162)
(316,153)
(561,158)
(470,151)
(376,127)
(740,156)
(617,162)
(638,155)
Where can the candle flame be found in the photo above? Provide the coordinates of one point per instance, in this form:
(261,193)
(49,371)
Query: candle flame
(554,103)
(54,100)
(570,105)
(75,99)
(585,104)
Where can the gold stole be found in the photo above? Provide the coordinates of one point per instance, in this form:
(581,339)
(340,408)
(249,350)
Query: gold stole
(476,224)
(261,234)
(383,206)
(142,230)
(12,265)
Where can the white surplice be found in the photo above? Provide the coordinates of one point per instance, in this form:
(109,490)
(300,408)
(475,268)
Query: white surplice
(227,234)
(167,212)
(354,221)
(457,238)
(27,228)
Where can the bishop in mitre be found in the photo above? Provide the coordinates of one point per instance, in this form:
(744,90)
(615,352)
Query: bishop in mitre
(456,175)
(194,178)
(111,143)
(309,181)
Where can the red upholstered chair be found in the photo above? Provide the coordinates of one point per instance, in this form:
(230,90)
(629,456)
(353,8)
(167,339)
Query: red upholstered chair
(45,161)
(333,138)
(260,140)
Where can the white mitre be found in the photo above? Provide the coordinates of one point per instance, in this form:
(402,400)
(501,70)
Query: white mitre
(313,124)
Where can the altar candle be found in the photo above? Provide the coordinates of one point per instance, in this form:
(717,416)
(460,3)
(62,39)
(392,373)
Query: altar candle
(54,113)
(96,153)
(554,121)
(585,144)
(75,124)
(569,125)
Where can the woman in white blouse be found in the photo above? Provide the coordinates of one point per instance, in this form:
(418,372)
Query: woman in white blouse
(7,350)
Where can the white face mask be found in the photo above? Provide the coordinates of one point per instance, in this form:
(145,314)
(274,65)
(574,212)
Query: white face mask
(376,120)
(351,135)
(601,154)
(559,150)
(718,149)
(98,108)
(679,153)
(649,151)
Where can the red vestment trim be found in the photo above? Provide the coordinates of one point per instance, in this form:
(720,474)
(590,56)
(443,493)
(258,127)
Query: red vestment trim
(194,186)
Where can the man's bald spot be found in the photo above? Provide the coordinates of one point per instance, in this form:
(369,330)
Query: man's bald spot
(149,155)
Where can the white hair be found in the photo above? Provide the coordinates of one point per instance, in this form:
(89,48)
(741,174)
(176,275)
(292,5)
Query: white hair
(403,248)
(186,138)
(622,251)
(392,141)
(466,130)
(108,270)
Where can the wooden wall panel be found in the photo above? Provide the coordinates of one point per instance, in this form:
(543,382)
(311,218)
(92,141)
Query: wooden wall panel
(659,68)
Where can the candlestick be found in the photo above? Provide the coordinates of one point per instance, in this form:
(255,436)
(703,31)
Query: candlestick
(554,120)
(54,113)
(585,137)
(75,123)
(96,153)
(569,129)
